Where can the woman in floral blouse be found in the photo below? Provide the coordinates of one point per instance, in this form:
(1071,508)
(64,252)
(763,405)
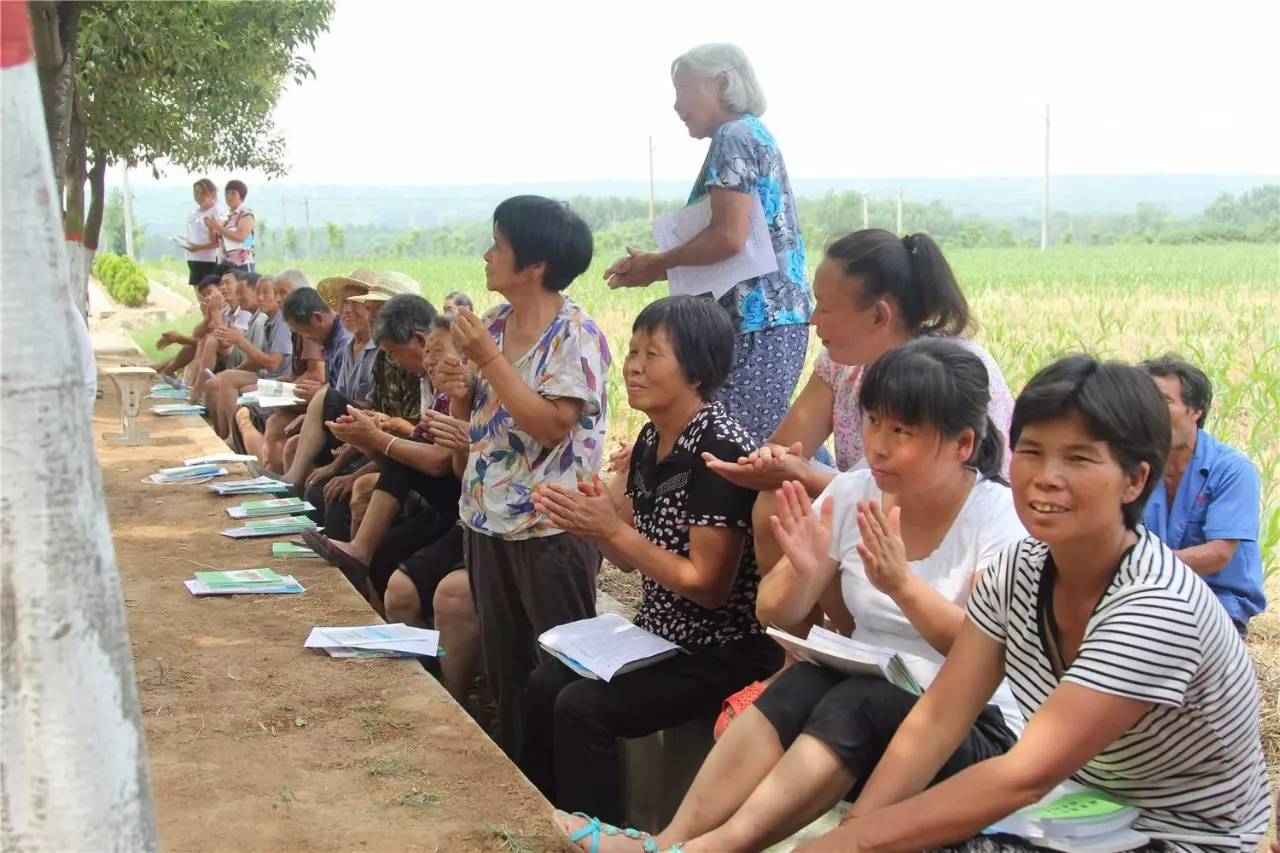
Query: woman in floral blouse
(688,533)
(719,98)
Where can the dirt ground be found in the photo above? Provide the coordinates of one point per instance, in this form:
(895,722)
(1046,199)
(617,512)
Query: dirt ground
(256,744)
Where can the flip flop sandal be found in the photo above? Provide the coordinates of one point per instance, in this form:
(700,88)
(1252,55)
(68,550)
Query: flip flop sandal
(352,569)
(736,704)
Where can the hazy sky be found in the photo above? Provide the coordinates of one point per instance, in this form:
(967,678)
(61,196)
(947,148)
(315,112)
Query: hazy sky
(463,92)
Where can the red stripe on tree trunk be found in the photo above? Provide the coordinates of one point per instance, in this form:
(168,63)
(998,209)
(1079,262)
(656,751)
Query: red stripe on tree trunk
(73,237)
(15,33)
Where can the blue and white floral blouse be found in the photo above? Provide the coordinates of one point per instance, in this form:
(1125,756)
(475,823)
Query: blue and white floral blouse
(744,157)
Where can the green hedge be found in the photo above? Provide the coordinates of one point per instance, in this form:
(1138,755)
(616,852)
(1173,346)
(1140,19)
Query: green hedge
(124,280)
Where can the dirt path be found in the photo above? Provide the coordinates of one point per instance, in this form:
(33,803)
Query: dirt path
(256,744)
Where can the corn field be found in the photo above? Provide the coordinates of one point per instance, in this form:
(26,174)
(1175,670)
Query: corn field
(1216,305)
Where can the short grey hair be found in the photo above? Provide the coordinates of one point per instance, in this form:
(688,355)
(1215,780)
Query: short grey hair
(742,92)
(401,316)
(294,278)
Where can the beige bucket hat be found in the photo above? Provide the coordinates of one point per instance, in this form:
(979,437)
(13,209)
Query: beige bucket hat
(389,284)
(330,289)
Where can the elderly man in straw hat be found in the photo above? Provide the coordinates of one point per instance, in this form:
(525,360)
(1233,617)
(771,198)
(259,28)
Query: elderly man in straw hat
(352,384)
(396,404)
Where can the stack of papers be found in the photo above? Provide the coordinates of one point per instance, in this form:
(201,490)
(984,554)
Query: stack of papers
(273,394)
(375,641)
(276,506)
(166,392)
(243,581)
(605,646)
(292,549)
(842,654)
(178,409)
(271,527)
(757,258)
(256,486)
(186,473)
(220,458)
(1073,817)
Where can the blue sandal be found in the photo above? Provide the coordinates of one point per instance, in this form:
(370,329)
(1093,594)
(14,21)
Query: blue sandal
(594,828)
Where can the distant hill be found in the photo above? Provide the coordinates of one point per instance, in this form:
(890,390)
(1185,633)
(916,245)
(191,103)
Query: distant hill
(163,210)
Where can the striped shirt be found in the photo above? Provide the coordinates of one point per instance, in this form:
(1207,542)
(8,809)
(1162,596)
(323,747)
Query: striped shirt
(1193,763)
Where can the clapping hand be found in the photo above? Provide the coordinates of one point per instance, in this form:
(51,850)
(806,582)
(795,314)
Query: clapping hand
(764,469)
(472,338)
(452,377)
(447,432)
(231,336)
(620,459)
(588,511)
(358,429)
(884,555)
(637,269)
(804,536)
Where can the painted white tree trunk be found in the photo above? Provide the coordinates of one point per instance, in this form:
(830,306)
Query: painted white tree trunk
(79,261)
(73,770)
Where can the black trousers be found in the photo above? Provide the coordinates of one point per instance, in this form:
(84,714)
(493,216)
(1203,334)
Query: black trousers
(197,270)
(857,715)
(424,522)
(572,723)
(523,587)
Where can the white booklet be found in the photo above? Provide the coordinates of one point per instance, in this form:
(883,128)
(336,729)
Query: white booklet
(605,646)
(757,257)
(220,458)
(394,640)
(836,651)
(273,394)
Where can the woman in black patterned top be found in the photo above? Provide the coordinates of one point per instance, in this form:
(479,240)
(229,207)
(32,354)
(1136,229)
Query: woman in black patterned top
(688,532)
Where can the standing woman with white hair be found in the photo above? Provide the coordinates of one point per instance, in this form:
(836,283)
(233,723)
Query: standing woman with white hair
(718,97)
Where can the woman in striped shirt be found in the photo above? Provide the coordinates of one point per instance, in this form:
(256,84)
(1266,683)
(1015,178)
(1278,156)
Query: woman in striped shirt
(1131,677)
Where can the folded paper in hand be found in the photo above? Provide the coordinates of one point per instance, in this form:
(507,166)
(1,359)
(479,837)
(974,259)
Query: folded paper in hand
(757,257)
(274,394)
(838,652)
(605,646)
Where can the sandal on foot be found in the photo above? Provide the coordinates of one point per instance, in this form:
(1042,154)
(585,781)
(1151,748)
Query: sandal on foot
(355,571)
(736,704)
(594,829)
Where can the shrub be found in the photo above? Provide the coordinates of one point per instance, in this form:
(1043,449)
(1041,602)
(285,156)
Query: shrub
(124,280)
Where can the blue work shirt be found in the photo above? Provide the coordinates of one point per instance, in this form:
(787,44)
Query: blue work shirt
(336,349)
(1219,497)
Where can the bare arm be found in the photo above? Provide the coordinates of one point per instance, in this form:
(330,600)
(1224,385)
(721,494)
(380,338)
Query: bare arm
(809,420)
(430,459)
(723,238)
(548,420)
(244,227)
(1210,557)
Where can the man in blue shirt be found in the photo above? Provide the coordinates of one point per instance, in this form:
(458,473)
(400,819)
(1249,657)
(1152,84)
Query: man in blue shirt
(1209,507)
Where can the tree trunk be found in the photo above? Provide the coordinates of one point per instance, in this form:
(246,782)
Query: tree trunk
(75,770)
(54,25)
(97,201)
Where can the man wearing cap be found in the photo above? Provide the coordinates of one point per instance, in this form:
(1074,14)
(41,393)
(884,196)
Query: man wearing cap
(396,403)
(352,383)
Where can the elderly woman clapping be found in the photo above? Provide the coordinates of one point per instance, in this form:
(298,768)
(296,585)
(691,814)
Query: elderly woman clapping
(718,97)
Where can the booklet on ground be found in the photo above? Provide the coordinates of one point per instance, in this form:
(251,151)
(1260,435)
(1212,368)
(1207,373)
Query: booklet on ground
(220,458)
(395,640)
(256,486)
(838,652)
(164,392)
(177,409)
(276,506)
(251,581)
(271,527)
(184,473)
(605,646)
(292,549)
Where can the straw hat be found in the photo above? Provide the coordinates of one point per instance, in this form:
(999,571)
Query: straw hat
(330,289)
(389,284)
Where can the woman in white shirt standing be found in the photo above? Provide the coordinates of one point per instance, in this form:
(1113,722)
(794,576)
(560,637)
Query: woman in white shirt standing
(891,551)
(201,246)
(235,232)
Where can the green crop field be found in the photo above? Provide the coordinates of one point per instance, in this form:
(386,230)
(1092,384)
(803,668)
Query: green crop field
(1211,303)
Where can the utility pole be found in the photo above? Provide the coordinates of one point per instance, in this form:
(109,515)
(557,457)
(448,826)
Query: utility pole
(651,177)
(306,211)
(866,216)
(128,211)
(900,211)
(1044,198)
